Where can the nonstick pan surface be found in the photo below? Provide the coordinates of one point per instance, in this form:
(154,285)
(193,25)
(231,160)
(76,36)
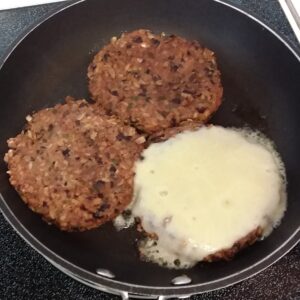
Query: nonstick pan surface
(261,79)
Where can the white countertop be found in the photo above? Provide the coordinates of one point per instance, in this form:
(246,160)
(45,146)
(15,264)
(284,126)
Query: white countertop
(6,4)
(291,9)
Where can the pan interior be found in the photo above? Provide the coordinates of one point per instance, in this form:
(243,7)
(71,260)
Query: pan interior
(261,89)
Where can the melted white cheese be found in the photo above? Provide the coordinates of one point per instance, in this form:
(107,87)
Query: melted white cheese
(202,191)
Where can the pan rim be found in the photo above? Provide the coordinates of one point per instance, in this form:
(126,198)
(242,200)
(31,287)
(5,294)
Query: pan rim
(122,287)
(114,286)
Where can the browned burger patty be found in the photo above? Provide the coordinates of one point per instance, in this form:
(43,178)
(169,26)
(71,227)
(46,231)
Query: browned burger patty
(228,254)
(225,254)
(155,81)
(165,134)
(74,166)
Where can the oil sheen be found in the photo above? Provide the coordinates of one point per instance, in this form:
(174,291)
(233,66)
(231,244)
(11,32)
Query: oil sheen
(201,191)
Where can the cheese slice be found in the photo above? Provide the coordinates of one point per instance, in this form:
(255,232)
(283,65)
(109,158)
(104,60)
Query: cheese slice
(202,191)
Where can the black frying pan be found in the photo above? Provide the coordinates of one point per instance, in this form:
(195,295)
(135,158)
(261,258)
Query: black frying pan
(261,78)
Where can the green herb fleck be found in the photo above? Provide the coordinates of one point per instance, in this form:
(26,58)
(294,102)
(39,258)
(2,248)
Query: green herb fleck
(114,161)
(135,98)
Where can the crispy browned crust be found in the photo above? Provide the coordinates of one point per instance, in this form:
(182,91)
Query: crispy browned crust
(154,82)
(228,254)
(74,166)
(165,134)
(225,254)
